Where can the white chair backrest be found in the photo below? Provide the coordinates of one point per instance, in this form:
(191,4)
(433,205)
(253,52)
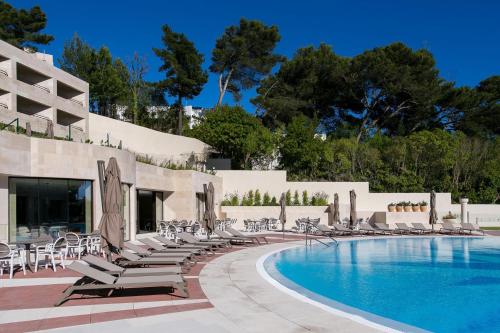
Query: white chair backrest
(5,251)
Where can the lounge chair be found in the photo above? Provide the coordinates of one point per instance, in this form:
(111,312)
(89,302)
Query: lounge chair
(469,227)
(188,238)
(236,233)
(95,280)
(130,259)
(383,227)
(324,230)
(156,247)
(237,240)
(145,253)
(171,244)
(403,228)
(111,268)
(421,228)
(368,229)
(449,228)
(342,230)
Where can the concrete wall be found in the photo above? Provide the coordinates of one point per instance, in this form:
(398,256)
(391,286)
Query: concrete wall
(369,205)
(143,140)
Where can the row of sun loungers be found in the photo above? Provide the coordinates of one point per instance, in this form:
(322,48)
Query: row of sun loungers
(157,263)
(401,228)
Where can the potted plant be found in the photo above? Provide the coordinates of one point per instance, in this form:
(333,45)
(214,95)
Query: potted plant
(407,206)
(450,217)
(391,207)
(423,206)
(400,206)
(415,207)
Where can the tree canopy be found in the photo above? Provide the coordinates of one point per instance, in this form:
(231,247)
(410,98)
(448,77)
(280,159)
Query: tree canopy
(22,28)
(243,55)
(236,134)
(182,62)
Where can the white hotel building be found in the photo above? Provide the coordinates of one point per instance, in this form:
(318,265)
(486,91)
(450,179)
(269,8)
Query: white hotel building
(48,185)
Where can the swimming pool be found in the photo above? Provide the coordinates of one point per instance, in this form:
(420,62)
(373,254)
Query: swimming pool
(438,284)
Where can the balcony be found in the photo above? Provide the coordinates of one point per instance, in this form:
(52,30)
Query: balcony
(34,78)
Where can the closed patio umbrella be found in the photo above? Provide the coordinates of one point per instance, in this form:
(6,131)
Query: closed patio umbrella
(433,213)
(28,129)
(50,129)
(111,226)
(209,216)
(353,215)
(333,210)
(283,213)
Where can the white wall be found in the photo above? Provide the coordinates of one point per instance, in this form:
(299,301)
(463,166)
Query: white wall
(143,140)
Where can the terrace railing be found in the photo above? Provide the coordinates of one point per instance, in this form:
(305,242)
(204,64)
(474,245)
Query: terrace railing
(47,90)
(12,122)
(3,72)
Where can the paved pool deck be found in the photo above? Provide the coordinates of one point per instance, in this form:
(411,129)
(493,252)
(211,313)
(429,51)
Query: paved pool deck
(242,301)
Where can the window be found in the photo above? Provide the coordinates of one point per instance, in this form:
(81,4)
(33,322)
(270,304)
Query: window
(39,206)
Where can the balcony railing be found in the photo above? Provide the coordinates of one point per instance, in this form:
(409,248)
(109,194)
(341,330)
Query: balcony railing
(76,101)
(4,106)
(3,72)
(47,90)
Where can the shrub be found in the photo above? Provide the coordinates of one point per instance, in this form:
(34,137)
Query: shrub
(266,200)
(288,198)
(305,199)
(257,199)
(274,202)
(319,199)
(145,159)
(296,201)
(250,198)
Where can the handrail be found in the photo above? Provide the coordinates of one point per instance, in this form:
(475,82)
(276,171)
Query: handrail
(42,117)
(13,121)
(47,90)
(4,72)
(75,101)
(4,105)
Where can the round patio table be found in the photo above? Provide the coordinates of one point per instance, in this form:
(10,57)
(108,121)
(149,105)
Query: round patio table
(27,246)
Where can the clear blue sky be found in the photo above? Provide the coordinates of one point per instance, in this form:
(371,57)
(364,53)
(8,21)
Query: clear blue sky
(464,36)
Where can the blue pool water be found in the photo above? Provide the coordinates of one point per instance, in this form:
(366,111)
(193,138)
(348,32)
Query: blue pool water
(432,284)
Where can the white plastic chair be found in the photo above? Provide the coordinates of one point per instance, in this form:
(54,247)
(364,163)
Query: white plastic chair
(52,250)
(8,256)
(76,245)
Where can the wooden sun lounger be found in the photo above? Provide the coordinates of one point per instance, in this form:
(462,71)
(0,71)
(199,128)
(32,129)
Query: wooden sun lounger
(236,233)
(111,268)
(233,239)
(368,229)
(383,227)
(469,227)
(188,238)
(171,244)
(341,230)
(449,228)
(132,259)
(325,230)
(95,280)
(157,247)
(145,253)
(405,229)
(420,227)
